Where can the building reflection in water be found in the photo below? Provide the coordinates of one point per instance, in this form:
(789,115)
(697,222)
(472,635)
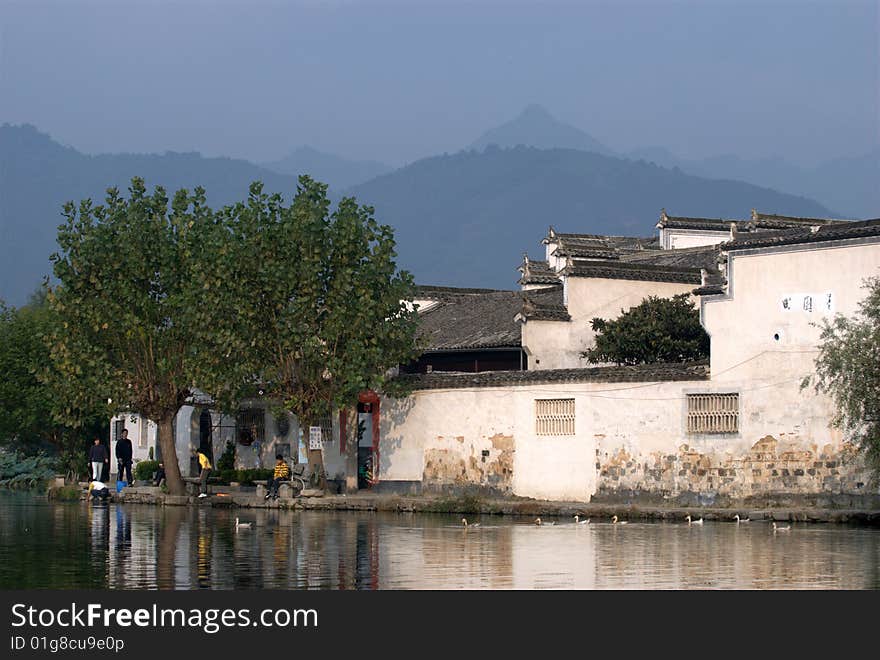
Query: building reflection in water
(137,547)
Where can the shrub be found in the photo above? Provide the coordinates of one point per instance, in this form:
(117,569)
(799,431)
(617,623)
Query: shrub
(65,493)
(144,469)
(227,459)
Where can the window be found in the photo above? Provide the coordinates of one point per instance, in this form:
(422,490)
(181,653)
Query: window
(118,428)
(326,424)
(250,426)
(713,413)
(554,416)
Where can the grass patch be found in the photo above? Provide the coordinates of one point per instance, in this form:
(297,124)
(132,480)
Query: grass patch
(65,493)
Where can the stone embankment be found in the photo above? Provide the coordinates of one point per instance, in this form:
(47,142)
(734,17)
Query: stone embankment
(479,505)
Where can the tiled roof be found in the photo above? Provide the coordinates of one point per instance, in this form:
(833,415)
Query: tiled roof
(704,256)
(544,305)
(837,231)
(537,272)
(705,224)
(429,292)
(644,373)
(472,319)
(757,222)
(633,271)
(775,221)
(709,289)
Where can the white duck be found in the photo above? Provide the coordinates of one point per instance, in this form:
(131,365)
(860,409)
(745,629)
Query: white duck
(241,525)
(740,520)
(776,528)
(578,521)
(466,524)
(694,522)
(614,521)
(539,522)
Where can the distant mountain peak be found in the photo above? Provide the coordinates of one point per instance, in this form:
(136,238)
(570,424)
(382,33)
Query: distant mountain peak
(534,126)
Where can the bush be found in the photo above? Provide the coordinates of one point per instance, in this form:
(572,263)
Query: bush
(65,493)
(227,459)
(144,470)
(20,471)
(244,477)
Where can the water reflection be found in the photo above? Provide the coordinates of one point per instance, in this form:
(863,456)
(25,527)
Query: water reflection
(142,547)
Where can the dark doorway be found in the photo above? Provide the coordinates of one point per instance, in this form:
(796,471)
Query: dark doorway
(206,435)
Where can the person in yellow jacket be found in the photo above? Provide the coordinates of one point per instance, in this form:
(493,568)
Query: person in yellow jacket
(281,473)
(205,465)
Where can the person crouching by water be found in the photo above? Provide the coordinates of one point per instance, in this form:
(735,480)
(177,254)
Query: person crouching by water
(159,479)
(282,473)
(205,464)
(98,490)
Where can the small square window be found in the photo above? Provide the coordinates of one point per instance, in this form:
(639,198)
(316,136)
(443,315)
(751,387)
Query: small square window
(554,416)
(713,413)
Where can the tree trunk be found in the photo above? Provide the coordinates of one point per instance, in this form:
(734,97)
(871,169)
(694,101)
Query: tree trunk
(351,450)
(316,460)
(169,457)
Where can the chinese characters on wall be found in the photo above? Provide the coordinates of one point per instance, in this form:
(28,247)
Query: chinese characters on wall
(808,303)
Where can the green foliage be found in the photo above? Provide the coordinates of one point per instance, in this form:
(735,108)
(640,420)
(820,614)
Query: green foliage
(124,341)
(304,302)
(20,471)
(144,470)
(227,458)
(65,493)
(657,330)
(244,477)
(848,368)
(152,453)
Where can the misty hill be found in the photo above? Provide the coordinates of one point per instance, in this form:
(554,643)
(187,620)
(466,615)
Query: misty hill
(849,185)
(335,171)
(38,175)
(465,219)
(535,127)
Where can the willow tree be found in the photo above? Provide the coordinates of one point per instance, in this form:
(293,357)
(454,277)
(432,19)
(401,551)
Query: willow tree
(305,303)
(124,341)
(848,369)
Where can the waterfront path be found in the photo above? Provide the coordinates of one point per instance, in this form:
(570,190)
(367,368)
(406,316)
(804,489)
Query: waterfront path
(475,505)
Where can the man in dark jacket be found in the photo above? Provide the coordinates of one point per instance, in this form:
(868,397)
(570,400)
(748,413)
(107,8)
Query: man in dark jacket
(123,455)
(97,457)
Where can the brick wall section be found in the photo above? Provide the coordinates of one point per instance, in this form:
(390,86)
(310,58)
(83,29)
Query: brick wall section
(770,469)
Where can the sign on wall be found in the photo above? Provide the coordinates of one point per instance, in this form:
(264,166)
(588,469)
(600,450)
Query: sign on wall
(808,303)
(315,438)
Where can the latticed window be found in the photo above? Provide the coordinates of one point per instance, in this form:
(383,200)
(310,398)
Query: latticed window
(713,413)
(554,416)
(250,425)
(326,424)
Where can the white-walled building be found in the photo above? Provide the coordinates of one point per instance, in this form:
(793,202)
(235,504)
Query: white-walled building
(503,400)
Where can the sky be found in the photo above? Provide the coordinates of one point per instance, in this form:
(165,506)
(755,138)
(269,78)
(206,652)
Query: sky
(397,81)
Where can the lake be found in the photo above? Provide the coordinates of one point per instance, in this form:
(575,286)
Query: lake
(127,546)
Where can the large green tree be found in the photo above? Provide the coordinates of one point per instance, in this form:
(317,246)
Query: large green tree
(656,330)
(305,302)
(848,368)
(124,341)
(27,390)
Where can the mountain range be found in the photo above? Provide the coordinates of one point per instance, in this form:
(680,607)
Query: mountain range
(462,219)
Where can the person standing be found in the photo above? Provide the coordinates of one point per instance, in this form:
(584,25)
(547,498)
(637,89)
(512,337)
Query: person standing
(97,458)
(124,456)
(205,465)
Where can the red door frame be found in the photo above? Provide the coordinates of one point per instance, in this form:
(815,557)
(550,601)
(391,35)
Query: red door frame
(367,396)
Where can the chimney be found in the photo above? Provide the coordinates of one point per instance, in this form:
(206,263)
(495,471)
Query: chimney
(733,231)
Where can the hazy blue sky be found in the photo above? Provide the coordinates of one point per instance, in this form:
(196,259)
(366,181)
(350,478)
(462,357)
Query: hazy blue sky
(396,81)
